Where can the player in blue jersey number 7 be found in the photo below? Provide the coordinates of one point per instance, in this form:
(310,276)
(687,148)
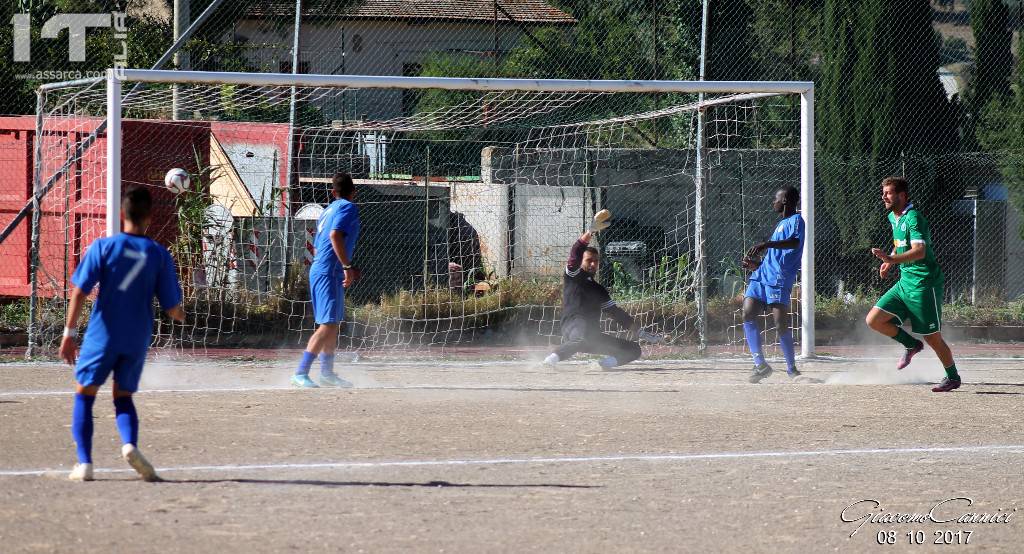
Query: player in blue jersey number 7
(772,282)
(330,274)
(130,269)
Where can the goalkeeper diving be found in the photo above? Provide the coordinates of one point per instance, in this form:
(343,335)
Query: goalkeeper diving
(583,300)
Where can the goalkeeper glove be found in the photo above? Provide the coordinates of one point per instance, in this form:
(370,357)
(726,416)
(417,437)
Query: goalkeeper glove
(601,221)
(649,337)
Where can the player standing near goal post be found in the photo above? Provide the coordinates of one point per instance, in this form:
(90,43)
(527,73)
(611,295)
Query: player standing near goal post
(917,296)
(772,282)
(331,272)
(583,300)
(130,269)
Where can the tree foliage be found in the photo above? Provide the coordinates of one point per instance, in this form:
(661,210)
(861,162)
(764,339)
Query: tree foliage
(731,41)
(990,21)
(1001,131)
(611,40)
(883,112)
(614,39)
(788,38)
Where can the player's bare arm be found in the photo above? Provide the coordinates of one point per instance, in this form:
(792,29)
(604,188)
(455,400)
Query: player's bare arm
(886,267)
(788,244)
(750,264)
(917,252)
(68,345)
(352,273)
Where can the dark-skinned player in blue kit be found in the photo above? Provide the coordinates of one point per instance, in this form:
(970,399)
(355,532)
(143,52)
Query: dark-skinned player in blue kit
(772,282)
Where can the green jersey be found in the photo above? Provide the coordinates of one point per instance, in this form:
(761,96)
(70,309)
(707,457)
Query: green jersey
(908,229)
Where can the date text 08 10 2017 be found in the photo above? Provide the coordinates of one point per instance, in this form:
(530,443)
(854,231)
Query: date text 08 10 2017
(892,536)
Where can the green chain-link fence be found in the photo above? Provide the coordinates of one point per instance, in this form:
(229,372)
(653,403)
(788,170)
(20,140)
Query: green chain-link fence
(930,90)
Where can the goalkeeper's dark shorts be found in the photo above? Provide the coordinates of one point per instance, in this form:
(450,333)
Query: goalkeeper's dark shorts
(577,336)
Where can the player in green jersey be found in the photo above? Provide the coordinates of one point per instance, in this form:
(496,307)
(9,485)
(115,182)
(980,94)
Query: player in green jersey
(918,294)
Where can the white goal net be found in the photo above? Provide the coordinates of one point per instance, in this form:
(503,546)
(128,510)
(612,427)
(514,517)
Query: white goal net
(470,193)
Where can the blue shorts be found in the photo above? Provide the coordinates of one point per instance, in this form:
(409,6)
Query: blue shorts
(328,298)
(769,294)
(96,361)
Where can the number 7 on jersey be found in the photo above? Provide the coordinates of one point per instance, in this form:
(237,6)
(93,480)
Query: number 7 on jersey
(140,262)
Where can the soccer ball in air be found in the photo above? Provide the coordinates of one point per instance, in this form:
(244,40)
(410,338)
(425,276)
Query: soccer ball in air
(176,180)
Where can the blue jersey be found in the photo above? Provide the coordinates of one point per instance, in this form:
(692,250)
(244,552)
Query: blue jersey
(130,270)
(343,216)
(780,266)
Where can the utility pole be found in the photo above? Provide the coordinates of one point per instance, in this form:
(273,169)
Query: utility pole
(699,189)
(181,16)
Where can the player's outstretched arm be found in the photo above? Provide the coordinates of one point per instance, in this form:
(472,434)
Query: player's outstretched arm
(68,346)
(601,222)
(576,252)
(628,323)
(619,316)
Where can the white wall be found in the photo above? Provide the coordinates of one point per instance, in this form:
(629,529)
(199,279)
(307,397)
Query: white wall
(485,207)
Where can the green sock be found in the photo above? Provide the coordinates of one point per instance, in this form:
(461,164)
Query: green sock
(951,373)
(905,339)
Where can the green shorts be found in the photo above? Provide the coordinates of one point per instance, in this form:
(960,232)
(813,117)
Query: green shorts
(921,305)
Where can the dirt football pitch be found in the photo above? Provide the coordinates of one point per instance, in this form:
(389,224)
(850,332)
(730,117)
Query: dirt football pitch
(464,456)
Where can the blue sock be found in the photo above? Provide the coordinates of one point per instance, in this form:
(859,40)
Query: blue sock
(326,363)
(786,345)
(305,363)
(81,427)
(753,335)
(127,420)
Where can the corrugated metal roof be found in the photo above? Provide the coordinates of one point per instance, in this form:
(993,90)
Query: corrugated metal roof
(523,11)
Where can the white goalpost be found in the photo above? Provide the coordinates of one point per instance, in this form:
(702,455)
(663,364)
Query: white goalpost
(473,190)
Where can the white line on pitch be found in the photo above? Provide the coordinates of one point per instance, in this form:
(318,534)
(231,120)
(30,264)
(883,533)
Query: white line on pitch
(144,391)
(1013,449)
(551,387)
(554,387)
(369,365)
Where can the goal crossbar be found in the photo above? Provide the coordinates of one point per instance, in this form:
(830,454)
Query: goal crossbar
(458,83)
